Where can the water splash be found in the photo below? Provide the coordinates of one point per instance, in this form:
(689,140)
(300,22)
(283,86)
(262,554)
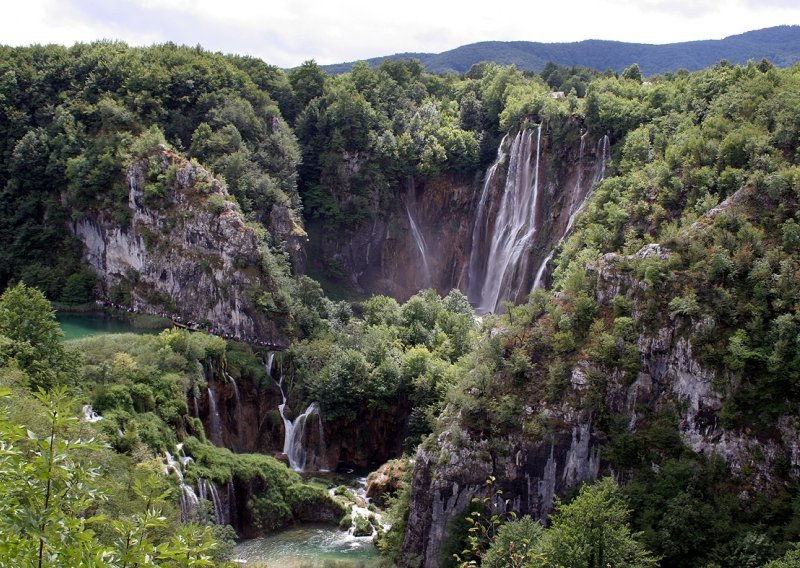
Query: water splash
(90,415)
(515,222)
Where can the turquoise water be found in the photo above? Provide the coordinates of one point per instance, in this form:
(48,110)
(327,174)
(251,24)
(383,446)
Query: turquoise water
(317,546)
(76,326)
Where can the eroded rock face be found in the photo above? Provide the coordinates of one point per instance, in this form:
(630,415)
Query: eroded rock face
(529,472)
(187,255)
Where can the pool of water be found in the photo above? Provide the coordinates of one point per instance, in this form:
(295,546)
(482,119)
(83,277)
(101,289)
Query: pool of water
(78,325)
(317,546)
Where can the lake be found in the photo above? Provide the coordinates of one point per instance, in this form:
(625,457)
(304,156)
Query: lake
(78,325)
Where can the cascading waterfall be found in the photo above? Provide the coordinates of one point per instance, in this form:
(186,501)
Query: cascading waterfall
(214,419)
(190,499)
(421,246)
(295,430)
(477,261)
(172,466)
(574,212)
(514,224)
(293,445)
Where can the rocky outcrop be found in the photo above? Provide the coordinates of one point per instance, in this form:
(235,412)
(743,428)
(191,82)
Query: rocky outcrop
(186,253)
(531,471)
(387,480)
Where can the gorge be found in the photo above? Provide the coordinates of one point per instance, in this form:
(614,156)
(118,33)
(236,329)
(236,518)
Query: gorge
(499,291)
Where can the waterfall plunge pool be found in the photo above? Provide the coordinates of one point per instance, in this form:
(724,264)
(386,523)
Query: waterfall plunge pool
(320,545)
(309,546)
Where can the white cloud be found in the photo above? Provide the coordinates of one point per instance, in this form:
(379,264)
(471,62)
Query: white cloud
(287,32)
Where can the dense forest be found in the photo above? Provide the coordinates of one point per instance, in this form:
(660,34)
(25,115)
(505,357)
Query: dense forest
(684,256)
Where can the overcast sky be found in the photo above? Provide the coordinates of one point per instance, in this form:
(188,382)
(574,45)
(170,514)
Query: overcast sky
(287,32)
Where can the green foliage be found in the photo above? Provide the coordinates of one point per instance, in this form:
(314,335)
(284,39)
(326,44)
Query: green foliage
(33,338)
(593,531)
(52,500)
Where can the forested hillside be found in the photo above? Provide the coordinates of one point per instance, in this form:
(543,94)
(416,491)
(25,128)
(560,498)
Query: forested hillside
(645,327)
(780,44)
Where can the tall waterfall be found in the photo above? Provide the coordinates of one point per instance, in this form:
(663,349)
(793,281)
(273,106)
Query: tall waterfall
(515,224)
(296,431)
(421,246)
(477,260)
(576,207)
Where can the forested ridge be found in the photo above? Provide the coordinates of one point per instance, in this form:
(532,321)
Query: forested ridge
(692,234)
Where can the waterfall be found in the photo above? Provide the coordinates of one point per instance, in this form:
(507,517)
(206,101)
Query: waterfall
(477,261)
(423,249)
(188,498)
(574,212)
(90,415)
(514,224)
(295,432)
(214,420)
(238,401)
(540,273)
(208,489)
(293,444)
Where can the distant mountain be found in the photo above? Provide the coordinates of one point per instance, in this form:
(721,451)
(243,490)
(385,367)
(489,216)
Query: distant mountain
(780,44)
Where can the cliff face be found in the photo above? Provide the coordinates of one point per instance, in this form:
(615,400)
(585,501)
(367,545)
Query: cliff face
(450,232)
(186,253)
(533,467)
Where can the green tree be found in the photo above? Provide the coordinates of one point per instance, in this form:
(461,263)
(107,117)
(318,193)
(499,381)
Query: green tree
(28,321)
(593,532)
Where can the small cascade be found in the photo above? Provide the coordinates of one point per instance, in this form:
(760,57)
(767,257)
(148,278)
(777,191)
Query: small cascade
(238,401)
(577,205)
(196,407)
(90,415)
(214,419)
(208,492)
(540,273)
(295,431)
(172,466)
(189,498)
(359,509)
(423,249)
(514,223)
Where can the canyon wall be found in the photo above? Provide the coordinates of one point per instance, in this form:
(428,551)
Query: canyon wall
(186,254)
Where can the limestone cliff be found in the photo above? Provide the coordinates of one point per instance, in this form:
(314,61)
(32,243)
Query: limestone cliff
(534,464)
(439,232)
(186,253)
